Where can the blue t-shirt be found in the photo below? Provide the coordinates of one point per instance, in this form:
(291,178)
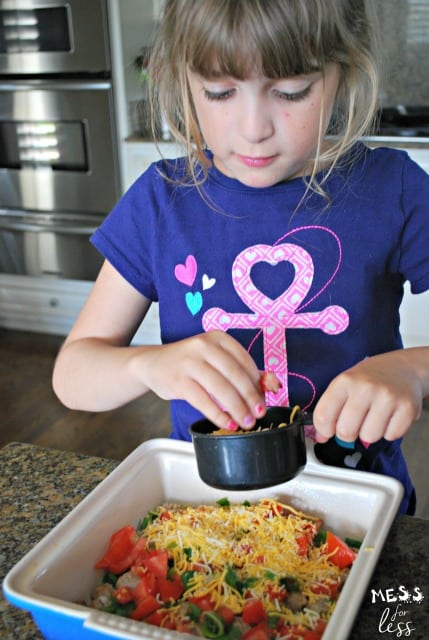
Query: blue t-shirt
(308,287)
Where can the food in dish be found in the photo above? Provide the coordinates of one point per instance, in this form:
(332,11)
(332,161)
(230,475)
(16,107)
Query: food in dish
(269,382)
(234,571)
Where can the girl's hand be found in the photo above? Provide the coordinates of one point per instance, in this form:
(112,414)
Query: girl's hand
(211,371)
(379,397)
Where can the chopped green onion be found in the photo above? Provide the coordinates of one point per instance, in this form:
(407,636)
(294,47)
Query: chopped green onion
(148,519)
(353,543)
(213,625)
(110,578)
(223,502)
(270,575)
(320,538)
(187,578)
(273,619)
(188,552)
(194,612)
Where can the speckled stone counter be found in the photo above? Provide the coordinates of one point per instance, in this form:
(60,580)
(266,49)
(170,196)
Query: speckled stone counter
(38,487)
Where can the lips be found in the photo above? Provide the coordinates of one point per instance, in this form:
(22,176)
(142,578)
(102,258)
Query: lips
(256,162)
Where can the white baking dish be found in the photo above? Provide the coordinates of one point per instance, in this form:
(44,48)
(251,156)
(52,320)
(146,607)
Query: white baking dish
(58,571)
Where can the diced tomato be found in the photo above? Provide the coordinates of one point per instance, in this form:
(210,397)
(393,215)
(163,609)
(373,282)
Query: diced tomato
(269,382)
(276,593)
(311,635)
(320,626)
(157,563)
(120,552)
(260,632)
(146,587)
(139,553)
(328,587)
(165,515)
(254,612)
(226,613)
(145,607)
(168,623)
(156,618)
(342,556)
(203,602)
(170,589)
(184,626)
(303,544)
(123,595)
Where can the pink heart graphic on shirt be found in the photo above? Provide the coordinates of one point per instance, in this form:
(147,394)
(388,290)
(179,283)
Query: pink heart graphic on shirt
(186,273)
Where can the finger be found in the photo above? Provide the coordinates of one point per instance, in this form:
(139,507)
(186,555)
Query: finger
(198,397)
(327,412)
(237,389)
(350,421)
(387,421)
(229,398)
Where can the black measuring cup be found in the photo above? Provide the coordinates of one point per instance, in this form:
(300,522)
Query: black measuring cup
(254,459)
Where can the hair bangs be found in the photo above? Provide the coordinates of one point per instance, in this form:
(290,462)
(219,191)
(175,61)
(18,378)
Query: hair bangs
(248,39)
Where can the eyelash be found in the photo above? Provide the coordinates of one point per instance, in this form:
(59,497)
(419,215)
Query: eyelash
(294,97)
(213,96)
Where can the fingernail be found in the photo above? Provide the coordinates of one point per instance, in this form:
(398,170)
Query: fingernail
(345,444)
(259,410)
(231,426)
(365,443)
(248,421)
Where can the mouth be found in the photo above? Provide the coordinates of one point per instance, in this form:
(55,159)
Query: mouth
(256,162)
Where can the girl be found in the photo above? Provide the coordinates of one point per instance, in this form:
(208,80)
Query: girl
(278,242)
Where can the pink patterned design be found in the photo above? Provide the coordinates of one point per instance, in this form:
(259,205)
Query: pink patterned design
(274,317)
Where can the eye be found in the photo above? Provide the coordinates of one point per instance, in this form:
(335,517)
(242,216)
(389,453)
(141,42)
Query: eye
(218,95)
(294,96)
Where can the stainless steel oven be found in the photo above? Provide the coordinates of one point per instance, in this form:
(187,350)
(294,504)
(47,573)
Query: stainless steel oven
(57,145)
(53,36)
(33,243)
(59,167)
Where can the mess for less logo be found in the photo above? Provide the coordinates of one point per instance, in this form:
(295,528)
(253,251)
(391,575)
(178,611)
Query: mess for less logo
(396,619)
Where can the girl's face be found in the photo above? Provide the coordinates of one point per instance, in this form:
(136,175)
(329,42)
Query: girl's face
(262,131)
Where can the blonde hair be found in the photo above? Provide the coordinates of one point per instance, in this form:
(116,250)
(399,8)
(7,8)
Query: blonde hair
(290,37)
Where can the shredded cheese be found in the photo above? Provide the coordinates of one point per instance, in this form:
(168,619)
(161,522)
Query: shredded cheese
(261,544)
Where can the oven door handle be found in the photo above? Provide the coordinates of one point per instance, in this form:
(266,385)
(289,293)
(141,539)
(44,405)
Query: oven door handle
(8,224)
(57,85)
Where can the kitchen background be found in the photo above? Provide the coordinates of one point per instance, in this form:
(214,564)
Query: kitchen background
(46,264)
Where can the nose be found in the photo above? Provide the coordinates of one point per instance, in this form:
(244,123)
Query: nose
(255,120)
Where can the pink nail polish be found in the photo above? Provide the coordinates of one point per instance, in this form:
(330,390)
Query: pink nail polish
(259,410)
(231,426)
(365,443)
(248,421)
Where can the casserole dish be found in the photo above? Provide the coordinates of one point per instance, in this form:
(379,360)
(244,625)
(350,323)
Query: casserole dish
(58,574)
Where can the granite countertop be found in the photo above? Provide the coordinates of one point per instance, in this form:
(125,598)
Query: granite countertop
(38,487)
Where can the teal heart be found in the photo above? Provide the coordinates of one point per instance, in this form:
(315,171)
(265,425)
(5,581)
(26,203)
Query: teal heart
(194,302)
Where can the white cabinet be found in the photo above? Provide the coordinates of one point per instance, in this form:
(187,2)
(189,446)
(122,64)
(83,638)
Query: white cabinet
(42,305)
(139,155)
(415,319)
(50,305)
